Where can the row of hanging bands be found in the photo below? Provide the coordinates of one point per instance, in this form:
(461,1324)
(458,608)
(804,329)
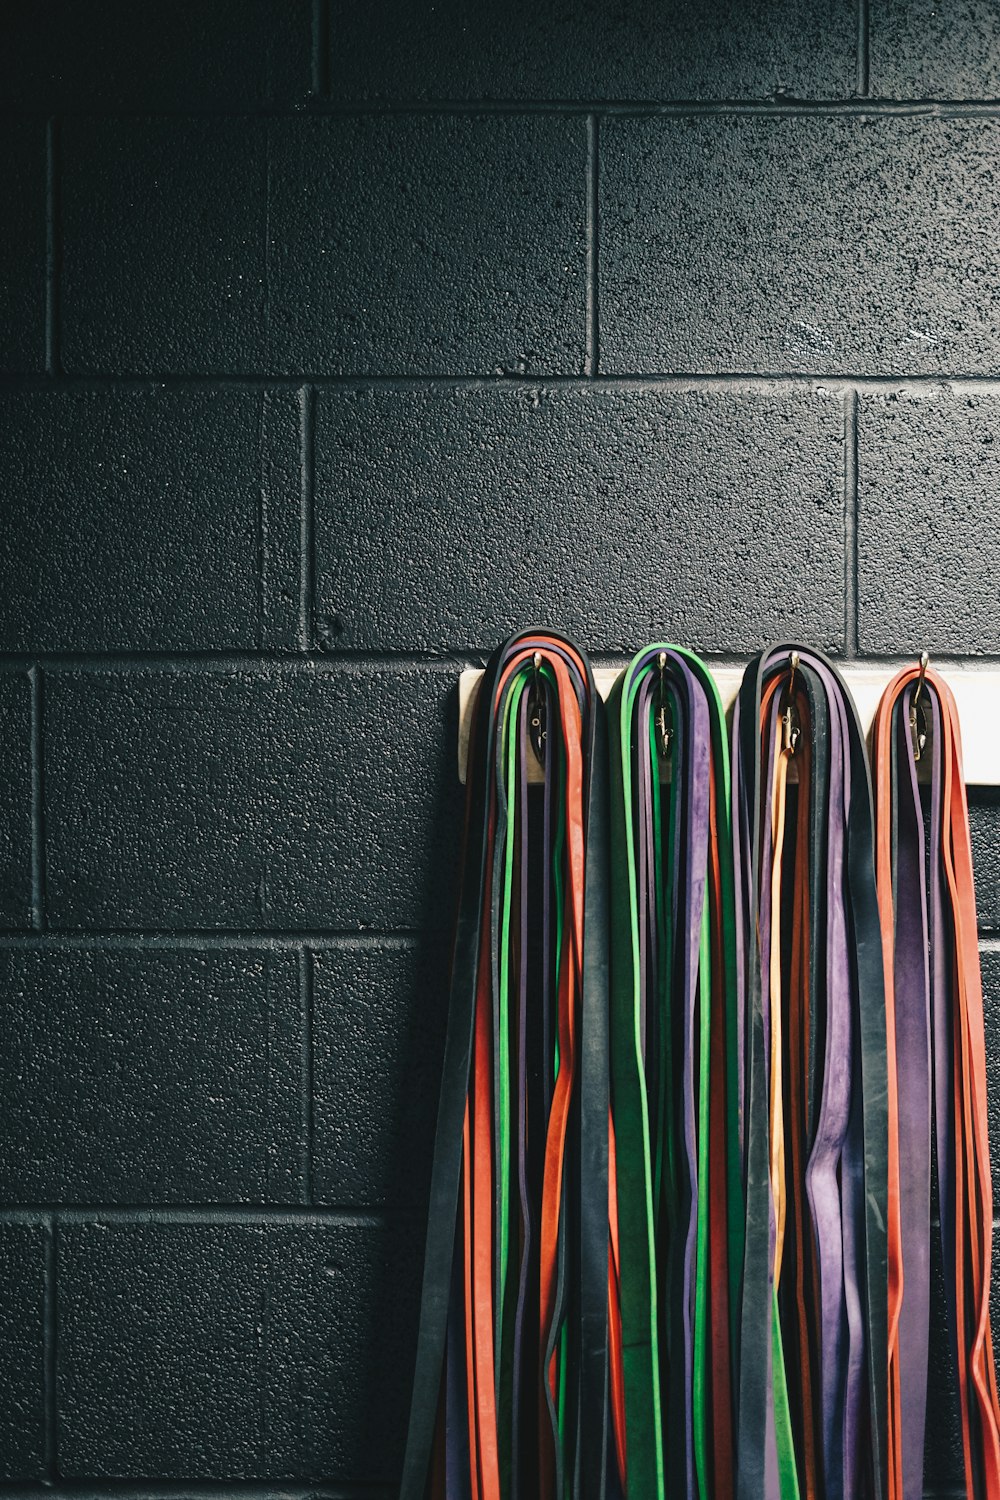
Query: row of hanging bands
(518,1387)
(674,1247)
(811,1355)
(937,1080)
(674,1073)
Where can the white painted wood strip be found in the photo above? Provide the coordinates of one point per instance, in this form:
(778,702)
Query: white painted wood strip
(976,690)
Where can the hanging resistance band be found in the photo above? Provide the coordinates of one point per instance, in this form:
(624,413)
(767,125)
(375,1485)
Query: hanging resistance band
(674,1074)
(517,1388)
(812,1361)
(937,1079)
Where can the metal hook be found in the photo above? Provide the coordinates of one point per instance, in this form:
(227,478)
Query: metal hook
(790,728)
(918,719)
(536,710)
(666,733)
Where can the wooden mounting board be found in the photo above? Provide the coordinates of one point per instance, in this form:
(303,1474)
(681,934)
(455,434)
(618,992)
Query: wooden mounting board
(976,690)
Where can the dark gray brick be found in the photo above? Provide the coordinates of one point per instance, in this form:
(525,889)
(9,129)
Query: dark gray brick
(928,481)
(920,49)
(943,1468)
(164,227)
(15,800)
(261,1351)
(224,799)
(450,515)
(279,248)
(540,49)
(22,1351)
(241,54)
(464,251)
(22,246)
(844,244)
(149,519)
(984,820)
(144,1077)
(377,1046)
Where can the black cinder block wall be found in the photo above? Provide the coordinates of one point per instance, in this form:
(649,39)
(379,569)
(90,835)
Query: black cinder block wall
(339,340)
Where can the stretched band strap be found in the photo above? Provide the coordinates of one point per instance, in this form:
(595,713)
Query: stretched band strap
(937,1081)
(674,1086)
(812,1338)
(514,1389)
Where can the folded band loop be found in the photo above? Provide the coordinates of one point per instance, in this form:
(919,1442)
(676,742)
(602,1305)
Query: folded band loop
(674,1095)
(511,1392)
(812,1351)
(934,1015)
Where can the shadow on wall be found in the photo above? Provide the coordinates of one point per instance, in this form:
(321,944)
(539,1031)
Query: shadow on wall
(408,1117)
